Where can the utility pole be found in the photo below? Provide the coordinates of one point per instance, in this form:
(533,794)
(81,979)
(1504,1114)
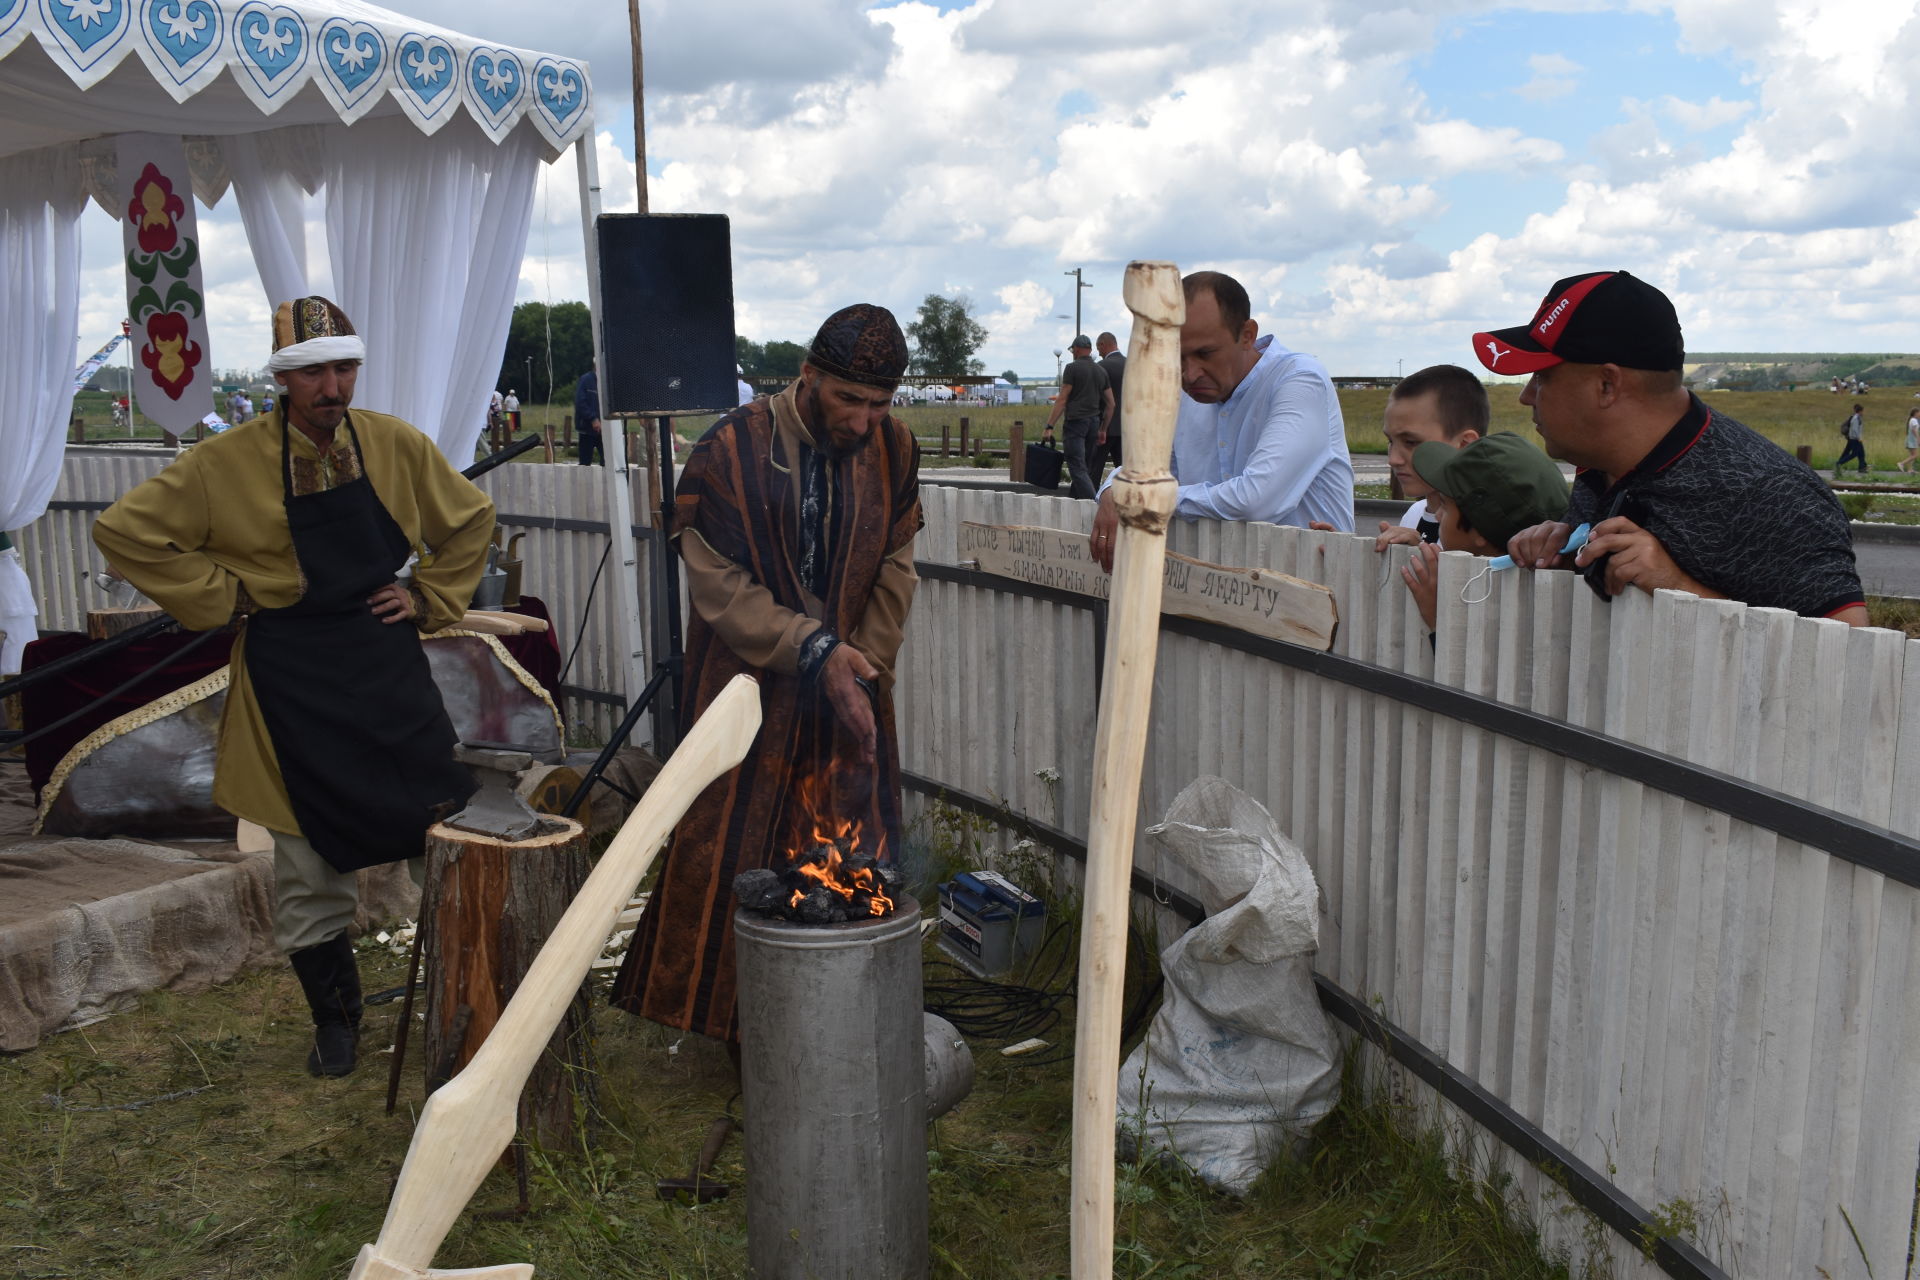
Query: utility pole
(1078,285)
(639,105)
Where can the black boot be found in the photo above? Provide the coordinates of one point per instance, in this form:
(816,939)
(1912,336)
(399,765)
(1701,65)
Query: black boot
(331,981)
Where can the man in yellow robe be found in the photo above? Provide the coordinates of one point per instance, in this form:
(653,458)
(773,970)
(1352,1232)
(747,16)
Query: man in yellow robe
(297,533)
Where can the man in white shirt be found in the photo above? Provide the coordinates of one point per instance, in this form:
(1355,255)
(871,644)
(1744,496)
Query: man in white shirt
(1260,436)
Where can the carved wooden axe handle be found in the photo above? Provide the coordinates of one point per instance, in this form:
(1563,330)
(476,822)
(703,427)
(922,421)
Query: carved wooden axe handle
(469,1120)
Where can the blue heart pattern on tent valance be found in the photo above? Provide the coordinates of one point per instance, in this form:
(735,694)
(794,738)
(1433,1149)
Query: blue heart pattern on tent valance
(352,55)
(275,49)
(560,90)
(426,75)
(86,31)
(496,79)
(273,45)
(184,34)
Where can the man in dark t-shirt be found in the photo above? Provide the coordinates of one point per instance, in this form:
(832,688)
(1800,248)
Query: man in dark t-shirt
(1087,402)
(1115,365)
(1679,495)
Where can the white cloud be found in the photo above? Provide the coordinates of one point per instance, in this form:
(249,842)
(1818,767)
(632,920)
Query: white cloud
(1554,76)
(883,154)
(1698,117)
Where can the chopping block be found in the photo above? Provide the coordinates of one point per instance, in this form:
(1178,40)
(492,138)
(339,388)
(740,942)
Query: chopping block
(499,876)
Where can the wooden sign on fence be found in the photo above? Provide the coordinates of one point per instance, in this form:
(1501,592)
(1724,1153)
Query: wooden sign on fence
(1258,601)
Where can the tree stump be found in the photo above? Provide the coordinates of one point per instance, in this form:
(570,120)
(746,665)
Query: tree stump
(487,908)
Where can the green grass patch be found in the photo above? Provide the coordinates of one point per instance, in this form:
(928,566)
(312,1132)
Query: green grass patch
(184,1139)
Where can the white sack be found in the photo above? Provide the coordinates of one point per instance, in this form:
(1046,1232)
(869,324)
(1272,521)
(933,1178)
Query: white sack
(1240,1061)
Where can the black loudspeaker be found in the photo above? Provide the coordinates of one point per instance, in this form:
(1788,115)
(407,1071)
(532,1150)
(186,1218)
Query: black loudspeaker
(666,313)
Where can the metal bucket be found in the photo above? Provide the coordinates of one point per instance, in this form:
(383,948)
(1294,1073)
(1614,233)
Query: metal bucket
(833,1069)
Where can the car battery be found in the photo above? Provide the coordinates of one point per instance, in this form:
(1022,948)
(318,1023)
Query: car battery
(988,923)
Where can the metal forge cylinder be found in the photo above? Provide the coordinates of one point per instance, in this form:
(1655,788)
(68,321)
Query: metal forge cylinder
(833,1069)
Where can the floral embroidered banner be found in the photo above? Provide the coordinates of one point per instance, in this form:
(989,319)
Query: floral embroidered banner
(172,376)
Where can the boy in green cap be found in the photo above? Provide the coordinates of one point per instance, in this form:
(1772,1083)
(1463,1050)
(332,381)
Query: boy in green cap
(1482,496)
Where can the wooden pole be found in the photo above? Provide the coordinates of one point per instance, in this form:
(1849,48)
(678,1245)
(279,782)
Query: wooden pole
(1017,452)
(639,103)
(1144,493)
(946,440)
(468,1123)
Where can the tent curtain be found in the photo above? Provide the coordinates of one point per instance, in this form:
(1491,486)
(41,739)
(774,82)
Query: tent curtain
(41,195)
(272,173)
(425,235)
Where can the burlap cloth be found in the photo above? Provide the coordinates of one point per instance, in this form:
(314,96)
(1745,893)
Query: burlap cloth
(86,926)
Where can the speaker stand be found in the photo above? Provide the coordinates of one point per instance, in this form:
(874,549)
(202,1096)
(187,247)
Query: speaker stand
(666,672)
(666,720)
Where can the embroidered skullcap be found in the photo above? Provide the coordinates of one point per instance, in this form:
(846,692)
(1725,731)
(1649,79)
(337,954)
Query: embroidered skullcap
(312,331)
(861,343)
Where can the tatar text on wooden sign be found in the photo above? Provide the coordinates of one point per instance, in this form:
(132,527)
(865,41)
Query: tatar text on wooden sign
(1259,601)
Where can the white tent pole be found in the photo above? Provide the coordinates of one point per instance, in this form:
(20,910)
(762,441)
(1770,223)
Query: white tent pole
(626,587)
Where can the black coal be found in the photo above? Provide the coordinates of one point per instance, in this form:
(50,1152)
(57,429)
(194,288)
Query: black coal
(796,896)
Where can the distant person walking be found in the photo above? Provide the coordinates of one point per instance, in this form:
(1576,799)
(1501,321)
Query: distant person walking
(1116,366)
(511,406)
(586,418)
(1913,441)
(1854,429)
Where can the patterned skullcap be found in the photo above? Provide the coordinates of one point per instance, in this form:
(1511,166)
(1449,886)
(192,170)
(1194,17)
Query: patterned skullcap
(861,343)
(312,330)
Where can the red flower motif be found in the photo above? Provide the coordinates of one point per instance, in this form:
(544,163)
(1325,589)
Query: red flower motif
(155,211)
(170,354)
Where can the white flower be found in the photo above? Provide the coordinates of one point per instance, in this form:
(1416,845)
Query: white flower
(181,28)
(272,38)
(89,11)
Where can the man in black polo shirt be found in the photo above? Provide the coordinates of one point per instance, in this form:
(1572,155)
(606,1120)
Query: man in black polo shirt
(1679,495)
(1087,402)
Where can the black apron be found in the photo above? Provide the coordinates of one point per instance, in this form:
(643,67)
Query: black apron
(364,742)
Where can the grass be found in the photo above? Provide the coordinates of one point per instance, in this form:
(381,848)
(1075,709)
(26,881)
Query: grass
(184,1140)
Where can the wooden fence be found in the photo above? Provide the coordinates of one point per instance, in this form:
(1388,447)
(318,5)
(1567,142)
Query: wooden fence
(1589,890)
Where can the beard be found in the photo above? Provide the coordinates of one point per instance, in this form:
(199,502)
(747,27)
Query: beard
(840,442)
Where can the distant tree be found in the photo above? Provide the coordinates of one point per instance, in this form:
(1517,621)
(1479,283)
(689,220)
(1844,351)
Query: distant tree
(783,359)
(945,336)
(571,349)
(775,359)
(1010,375)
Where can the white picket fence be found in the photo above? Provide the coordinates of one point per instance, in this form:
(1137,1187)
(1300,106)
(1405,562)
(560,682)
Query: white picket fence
(560,563)
(1726,1021)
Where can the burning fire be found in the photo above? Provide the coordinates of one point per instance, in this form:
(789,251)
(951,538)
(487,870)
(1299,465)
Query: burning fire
(829,877)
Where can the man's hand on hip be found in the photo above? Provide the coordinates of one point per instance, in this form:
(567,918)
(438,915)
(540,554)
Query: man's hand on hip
(1106,526)
(391,603)
(851,703)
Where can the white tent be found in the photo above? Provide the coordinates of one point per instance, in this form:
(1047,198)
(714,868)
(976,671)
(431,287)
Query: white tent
(423,145)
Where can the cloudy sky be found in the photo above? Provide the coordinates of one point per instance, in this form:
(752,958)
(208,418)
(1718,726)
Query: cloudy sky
(1384,178)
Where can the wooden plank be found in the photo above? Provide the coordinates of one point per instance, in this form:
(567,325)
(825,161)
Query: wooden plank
(1444,836)
(1792,980)
(1258,601)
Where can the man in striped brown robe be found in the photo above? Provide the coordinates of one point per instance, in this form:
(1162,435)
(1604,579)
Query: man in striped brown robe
(795,518)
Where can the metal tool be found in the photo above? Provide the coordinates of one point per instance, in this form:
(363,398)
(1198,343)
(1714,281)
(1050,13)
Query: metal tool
(496,809)
(703,1189)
